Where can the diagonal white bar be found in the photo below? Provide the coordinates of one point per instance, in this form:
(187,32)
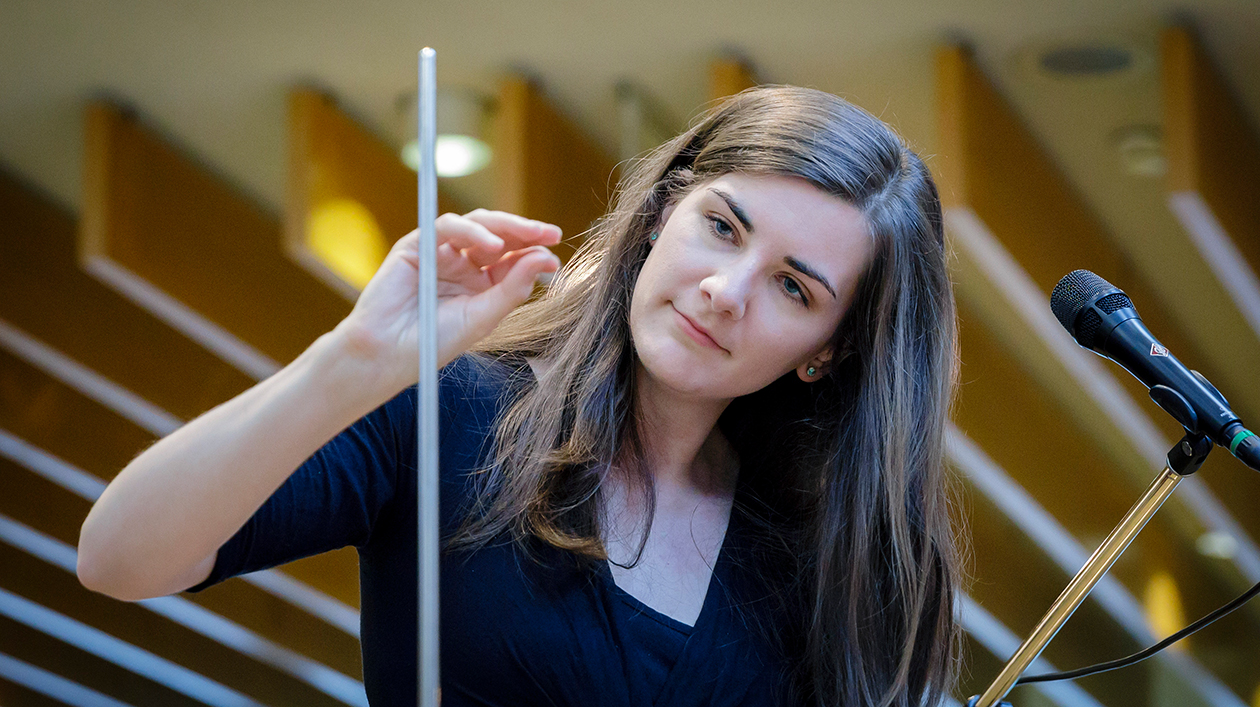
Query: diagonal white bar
(89,486)
(120,653)
(35,678)
(201,620)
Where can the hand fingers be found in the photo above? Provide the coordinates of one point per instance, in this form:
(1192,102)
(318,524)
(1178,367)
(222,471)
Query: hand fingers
(517,231)
(499,270)
(516,285)
(465,234)
(484,236)
(453,264)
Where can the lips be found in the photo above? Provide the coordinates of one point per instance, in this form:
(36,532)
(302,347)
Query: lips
(697,332)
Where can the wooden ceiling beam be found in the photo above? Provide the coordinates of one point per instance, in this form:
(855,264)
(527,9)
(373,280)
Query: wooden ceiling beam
(51,416)
(134,624)
(36,502)
(174,237)
(58,320)
(44,294)
(728,76)
(1013,422)
(1213,175)
(23,694)
(83,668)
(546,167)
(350,197)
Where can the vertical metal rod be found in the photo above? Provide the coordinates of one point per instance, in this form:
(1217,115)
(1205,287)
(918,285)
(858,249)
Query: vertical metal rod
(428,678)
(1072,597)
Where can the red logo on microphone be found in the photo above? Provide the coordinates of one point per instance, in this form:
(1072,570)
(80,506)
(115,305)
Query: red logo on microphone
(1157,350)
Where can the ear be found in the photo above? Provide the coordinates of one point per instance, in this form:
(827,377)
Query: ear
(821,363)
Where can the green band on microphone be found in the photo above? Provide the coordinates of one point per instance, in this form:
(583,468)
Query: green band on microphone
(1239,438)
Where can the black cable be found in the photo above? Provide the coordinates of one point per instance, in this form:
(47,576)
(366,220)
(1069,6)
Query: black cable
(1145,653)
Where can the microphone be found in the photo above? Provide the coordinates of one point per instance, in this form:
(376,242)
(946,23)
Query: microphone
(1103,319)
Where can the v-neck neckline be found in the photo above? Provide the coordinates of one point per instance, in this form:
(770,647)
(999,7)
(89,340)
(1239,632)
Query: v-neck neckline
(712,590)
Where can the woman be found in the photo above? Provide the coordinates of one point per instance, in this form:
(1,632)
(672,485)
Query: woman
(704,468)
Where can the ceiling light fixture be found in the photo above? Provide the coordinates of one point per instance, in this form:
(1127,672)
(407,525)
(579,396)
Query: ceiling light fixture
(1216,544)
(1141,149)
(461,122)
(1084,59)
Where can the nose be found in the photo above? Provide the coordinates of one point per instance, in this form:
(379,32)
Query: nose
(727,289)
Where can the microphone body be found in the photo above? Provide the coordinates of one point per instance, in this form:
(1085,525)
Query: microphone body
(1103,319)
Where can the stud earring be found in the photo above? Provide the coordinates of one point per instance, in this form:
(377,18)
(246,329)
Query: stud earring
(811,371)
(652,238)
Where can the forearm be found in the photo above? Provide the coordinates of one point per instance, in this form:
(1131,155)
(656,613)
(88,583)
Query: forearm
(170,509)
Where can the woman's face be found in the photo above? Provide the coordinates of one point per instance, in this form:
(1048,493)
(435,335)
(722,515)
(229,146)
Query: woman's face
(765,265)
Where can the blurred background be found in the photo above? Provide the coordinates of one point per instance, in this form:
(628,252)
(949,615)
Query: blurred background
(190,193)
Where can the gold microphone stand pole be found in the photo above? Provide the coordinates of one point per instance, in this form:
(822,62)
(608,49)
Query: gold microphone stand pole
(1184,459)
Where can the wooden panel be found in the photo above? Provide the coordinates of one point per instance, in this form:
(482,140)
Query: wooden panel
(546,168)
(49,415)
(1016,583)
(43,292)
(174,225)
(56,418)
(39,649)
(1213,149)
(994,172)
(343,176)
(728,77)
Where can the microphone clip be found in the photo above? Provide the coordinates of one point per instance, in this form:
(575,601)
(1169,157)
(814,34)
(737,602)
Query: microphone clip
(1188,455)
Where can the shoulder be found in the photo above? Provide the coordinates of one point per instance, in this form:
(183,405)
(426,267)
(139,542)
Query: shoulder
(472,391)
(475,388)
(477,376)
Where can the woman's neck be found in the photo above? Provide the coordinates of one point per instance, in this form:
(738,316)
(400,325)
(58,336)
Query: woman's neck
(685,450)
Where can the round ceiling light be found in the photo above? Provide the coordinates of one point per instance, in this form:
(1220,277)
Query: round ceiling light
(461,122)
(1141,149)
(1086,60)
(454,155)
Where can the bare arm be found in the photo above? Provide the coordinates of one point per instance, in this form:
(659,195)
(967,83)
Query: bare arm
(158,526)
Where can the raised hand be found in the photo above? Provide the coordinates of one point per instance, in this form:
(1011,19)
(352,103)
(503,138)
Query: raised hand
(487,263)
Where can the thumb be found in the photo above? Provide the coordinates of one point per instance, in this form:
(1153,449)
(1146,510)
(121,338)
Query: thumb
(516,286)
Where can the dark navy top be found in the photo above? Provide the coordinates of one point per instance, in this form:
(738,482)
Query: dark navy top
(514,631)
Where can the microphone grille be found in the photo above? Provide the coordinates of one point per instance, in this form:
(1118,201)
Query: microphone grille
(1114,301)
(1072,293)
(1076,290)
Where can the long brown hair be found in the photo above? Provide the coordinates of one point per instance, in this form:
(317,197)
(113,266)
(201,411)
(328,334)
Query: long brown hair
(850,466)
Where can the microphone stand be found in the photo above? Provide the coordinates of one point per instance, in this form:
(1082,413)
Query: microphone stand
(1183,460)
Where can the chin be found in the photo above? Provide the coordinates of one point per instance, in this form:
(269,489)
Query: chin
(679,369)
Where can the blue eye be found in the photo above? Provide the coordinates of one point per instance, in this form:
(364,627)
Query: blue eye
(724,231)
(721,228)
(792,287)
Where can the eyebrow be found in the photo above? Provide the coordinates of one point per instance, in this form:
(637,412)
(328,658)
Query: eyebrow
(809,272)
(735,208)
(791,262)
